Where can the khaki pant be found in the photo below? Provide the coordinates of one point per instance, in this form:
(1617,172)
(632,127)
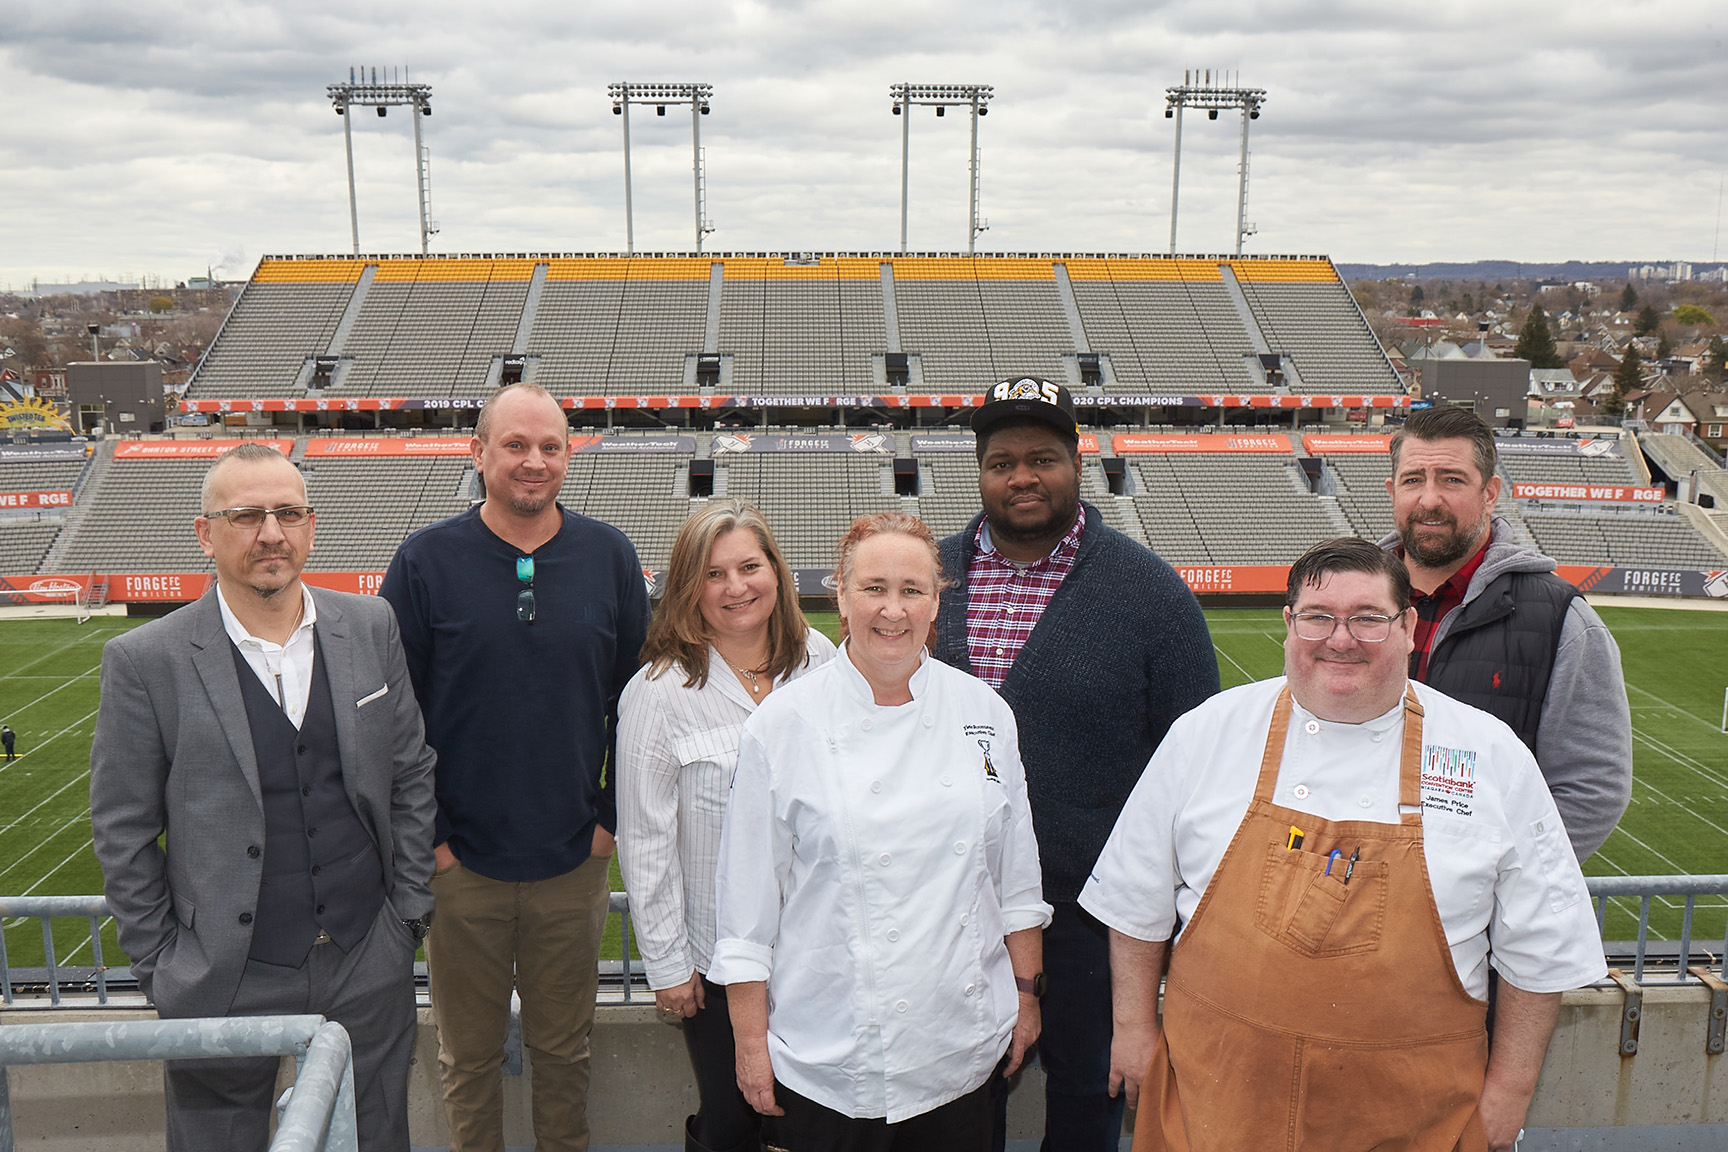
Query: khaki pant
(544,938)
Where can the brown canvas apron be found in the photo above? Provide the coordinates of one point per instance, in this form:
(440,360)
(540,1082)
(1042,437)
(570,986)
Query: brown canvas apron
(1304,1013)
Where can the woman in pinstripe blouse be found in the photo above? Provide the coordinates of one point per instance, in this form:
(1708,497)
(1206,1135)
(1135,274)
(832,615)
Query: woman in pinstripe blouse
(729,631)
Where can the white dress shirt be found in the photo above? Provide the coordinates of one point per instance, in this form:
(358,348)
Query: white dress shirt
(285,670)
(1506,884)
(872,861)
(677,750)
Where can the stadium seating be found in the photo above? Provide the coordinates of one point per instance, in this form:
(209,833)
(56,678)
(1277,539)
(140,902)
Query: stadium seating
(1229,508)
(808,499)
(1676,455)
(137,517)
(1641,538)
(367,507)
(24,544)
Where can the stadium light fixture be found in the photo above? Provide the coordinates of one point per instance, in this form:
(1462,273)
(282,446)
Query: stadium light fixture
(942,97)
(626,93)
(1200,90)
(394,91)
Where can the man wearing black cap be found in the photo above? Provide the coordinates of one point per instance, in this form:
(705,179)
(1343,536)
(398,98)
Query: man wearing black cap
(1098,646)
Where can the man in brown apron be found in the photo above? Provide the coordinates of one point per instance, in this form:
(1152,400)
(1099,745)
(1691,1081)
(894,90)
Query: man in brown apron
(1338,846)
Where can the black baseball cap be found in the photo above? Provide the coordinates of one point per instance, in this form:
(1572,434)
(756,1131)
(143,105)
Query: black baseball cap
(1029,396)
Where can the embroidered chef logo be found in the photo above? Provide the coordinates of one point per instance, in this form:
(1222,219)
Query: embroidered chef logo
(1448,779)
(983,734)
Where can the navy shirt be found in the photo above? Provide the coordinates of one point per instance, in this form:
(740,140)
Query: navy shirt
(523,716)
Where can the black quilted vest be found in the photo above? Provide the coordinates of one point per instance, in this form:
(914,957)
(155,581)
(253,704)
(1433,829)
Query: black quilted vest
(1498,654)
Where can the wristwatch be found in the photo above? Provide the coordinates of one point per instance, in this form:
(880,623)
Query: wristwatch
(419,927)
(1033,987)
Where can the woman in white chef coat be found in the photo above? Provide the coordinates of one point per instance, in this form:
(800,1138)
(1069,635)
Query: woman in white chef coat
(729,632)
(880,912)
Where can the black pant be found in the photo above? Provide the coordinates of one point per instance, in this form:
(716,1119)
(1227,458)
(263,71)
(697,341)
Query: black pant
(724,1121)
(961,1125)
(1079,1113)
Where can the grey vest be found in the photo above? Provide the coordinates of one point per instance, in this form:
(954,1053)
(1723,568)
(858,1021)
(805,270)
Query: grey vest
(321,867)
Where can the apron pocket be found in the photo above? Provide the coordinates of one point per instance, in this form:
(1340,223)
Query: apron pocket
(1318,915)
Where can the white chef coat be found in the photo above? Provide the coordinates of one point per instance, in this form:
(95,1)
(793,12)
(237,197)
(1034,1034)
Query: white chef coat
(1502,871)
(677,750)
(285,670)
(872,861)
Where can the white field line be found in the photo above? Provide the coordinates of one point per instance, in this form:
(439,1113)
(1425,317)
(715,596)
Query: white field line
(1685,761)
(1233,663)
(22,816)
(63,684)
(1686,808)
(70,727)
(1713,725)
(84,639)
(70,956)
(73,855)
(1678,871)
(83,817)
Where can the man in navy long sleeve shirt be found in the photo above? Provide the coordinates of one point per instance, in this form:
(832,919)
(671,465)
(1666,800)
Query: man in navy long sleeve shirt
(522,622)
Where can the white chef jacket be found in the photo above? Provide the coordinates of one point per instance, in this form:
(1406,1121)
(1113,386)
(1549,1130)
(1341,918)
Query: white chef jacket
(1506,884)
(872,861)
(677,750)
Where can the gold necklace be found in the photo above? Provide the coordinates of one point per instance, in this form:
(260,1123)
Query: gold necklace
(746,673)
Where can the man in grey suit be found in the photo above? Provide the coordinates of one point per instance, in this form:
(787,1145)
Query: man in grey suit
(272,733)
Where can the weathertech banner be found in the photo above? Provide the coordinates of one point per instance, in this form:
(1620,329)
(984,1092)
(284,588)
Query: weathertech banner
(1324,445)
(371,446)
(1608,493)
(62,499)
(1522,446)
(1128,444)
(188,449)
(41,453)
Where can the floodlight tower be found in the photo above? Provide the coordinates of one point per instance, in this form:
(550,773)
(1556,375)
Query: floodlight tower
(941,97)
(1199,91)
(393,92)
(625,94)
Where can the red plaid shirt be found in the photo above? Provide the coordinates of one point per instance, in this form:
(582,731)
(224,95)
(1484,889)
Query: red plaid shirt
(1432,607)
(1004,600)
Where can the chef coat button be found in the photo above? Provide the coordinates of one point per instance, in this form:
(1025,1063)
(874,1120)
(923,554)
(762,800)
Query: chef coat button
(875,785)
(893,935)
(866,725)
(885,859)
(901,1006)
(929,721)
(1365,802)
(1300,791)
(959,848)
(947,783)
(965,919)
(971,988)
(1377,737)
(1538,828)
(1311,727)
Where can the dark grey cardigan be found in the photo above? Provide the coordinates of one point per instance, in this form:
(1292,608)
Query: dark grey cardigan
(1121,651)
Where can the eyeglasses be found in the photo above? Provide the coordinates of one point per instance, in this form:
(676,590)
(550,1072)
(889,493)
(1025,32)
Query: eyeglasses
(251,519)
(1368,628)
(525,598)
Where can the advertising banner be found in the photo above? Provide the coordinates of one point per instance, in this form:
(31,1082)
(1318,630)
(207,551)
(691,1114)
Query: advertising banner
(1605,493)
(42,589)
(869,443)
(815,400)
(175,587)
(935,444)
(1235,578)
(1593,447)
(1631,581)
(374,446)
(1129,444)
(60,499)
(188,449)
(41,453)
(1324,445)
(635,445)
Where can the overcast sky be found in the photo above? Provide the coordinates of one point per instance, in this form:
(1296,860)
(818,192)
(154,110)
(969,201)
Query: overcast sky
(161,138)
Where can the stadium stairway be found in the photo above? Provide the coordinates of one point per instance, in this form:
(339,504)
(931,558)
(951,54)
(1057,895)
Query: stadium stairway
(100,461)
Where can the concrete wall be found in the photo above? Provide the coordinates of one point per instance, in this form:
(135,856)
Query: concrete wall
(642,1088)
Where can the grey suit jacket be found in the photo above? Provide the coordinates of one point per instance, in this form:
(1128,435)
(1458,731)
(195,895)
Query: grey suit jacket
(173,754)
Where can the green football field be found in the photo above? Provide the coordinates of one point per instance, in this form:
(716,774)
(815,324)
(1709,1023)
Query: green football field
(1675,673)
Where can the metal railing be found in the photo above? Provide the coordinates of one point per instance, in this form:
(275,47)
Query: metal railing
(316,1114)
(57,980)
(1645,889)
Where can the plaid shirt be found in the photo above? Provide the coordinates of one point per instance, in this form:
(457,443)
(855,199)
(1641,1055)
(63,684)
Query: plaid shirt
(1004,600)
(1432,607)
